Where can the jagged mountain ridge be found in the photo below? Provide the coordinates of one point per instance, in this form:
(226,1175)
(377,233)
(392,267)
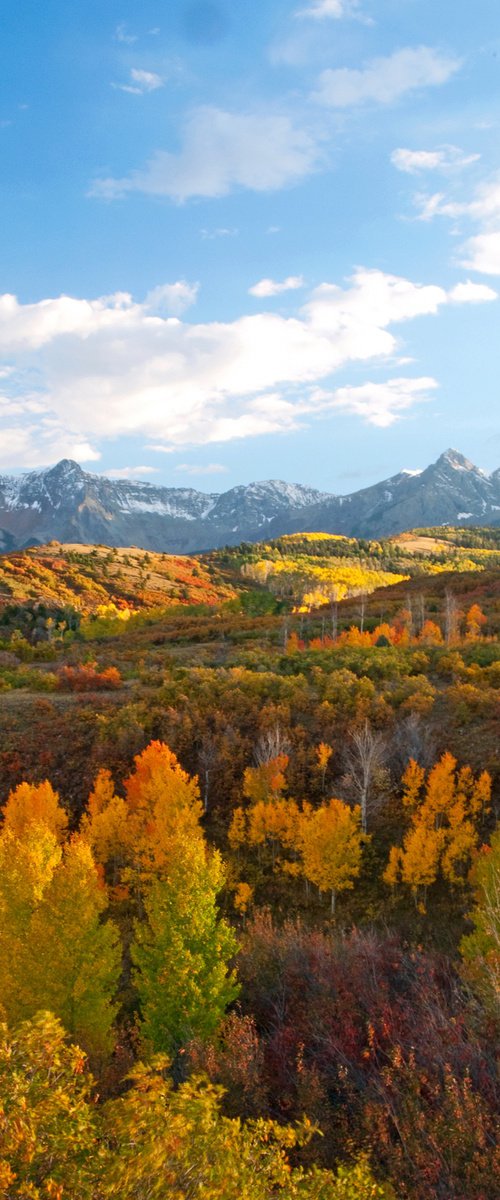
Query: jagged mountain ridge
(67,504)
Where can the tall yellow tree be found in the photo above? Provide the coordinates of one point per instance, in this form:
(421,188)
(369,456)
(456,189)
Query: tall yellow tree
(72,959)
(104,826)
(34,803)
(331,845)
(26,869)
(163,805)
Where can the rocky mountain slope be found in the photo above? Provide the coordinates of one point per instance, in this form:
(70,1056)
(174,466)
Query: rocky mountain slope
(68,504)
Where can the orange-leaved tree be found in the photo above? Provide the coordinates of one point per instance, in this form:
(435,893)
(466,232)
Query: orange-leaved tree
(164,807)
(34,803)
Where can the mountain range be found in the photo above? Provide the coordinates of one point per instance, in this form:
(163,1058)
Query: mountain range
(66,504)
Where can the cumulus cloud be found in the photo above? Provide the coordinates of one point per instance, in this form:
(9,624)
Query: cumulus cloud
(270,287)
(445,158)
(385,80)
(472,293)
(141,82)
(482,253)
(222,151)
(109,367)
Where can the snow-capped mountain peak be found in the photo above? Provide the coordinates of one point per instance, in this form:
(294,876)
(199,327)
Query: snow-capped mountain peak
(68,504)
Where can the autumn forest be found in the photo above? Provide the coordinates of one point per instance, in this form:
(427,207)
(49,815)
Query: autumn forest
(250,870)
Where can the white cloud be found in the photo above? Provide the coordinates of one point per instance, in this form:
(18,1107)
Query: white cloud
(195,469)
(211,235)
(223,151)
(149,81)
(445,158)
(35,445)
(141,82)
(385,80)
(379,404)
(481,252)
(172,299)
(270,287)
(87,370)
(130,472)
(319,10)
(473,293)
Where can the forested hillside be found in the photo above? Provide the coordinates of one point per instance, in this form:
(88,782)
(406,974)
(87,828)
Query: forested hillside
(250,870)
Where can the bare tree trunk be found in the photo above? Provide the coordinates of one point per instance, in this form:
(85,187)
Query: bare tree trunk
(451,617)
(365,756)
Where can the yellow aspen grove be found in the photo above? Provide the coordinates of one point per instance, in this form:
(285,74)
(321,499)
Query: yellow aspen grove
(331,847)
(274,822)
(446,809)
(34,803)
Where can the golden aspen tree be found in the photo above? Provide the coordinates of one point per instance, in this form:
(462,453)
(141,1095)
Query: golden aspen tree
(274,822)
(36,803)
(475,621)
(49,1147)
(323,754)
(163,806)
(26,869)
(104,826)
(237,832)
(243,896)
(72,958)
(331,844)
(266,781)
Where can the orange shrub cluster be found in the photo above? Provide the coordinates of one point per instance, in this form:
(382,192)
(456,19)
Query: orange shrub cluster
(86,678)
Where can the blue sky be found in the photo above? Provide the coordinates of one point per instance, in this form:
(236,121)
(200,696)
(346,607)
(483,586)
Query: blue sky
(253,240)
